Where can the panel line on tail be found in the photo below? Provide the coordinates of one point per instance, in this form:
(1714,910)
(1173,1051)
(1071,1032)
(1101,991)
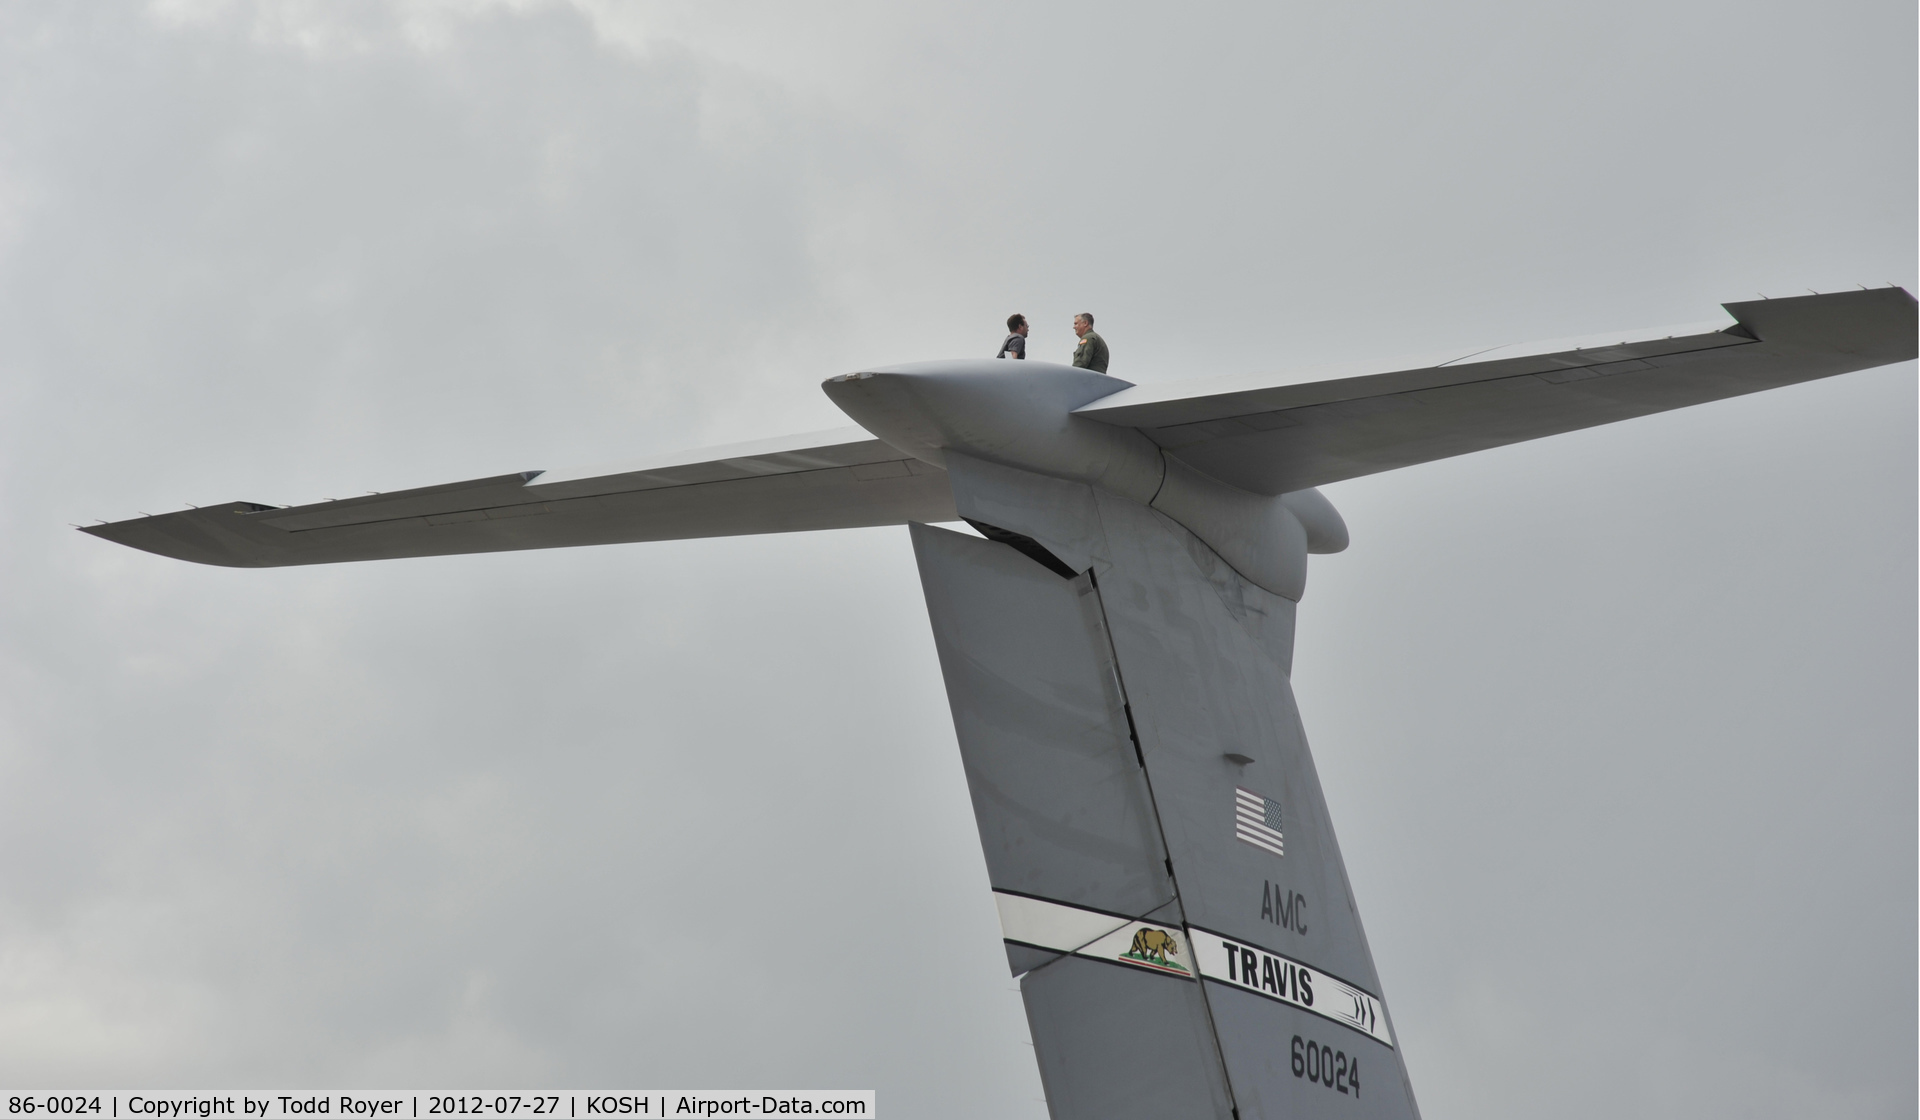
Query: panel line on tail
(1159,824)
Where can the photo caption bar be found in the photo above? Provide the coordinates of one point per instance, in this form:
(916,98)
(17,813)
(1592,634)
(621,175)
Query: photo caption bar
(261,1104)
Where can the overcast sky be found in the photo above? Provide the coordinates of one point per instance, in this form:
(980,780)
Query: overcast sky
(1618,728)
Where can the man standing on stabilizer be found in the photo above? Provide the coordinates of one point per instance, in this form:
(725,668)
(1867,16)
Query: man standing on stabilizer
(1092,351)
(1016,344)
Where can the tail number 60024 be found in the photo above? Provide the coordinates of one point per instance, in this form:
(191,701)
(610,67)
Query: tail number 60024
(1323,1065)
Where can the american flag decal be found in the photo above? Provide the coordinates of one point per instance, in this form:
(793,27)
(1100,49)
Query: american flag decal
(1256,820)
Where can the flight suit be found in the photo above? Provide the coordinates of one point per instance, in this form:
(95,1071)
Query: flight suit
(1091,353)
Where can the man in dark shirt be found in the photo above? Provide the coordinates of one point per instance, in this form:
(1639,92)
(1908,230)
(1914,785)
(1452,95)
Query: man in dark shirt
(1092,351)
(1016,344)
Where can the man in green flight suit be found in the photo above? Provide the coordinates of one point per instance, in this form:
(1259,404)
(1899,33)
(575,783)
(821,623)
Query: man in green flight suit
(1092,351)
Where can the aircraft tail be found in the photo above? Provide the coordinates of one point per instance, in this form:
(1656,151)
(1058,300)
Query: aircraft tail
(1169,886)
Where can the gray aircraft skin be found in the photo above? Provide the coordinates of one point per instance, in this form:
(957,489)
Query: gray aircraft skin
(1117,644)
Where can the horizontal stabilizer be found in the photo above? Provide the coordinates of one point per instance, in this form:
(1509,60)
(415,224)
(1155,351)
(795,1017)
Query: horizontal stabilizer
(826,480)
(1278,433)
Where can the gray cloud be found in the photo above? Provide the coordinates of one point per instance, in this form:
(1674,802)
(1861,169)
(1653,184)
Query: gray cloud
(1618,727)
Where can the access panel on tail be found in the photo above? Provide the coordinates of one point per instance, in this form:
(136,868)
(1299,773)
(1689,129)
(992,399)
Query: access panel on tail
(1168,882)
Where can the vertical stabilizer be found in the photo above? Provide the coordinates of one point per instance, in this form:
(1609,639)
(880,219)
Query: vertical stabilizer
(1168,882)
